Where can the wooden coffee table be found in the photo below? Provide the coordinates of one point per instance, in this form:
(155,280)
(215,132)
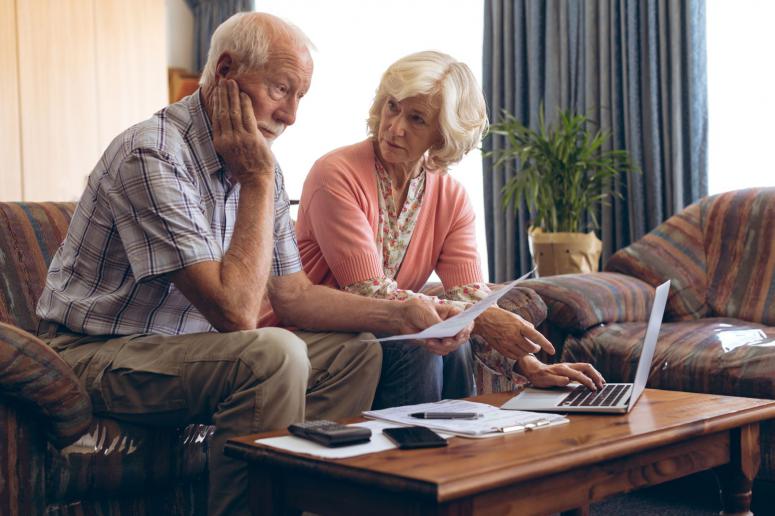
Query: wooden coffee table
(563,468)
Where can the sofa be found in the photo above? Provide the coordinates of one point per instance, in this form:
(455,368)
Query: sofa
(718,334)
(56,456)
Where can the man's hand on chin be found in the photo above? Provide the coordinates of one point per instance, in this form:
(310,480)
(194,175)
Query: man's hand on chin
(236,137)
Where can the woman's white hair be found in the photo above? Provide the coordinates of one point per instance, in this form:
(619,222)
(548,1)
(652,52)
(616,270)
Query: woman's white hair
(248,38)
(462,114)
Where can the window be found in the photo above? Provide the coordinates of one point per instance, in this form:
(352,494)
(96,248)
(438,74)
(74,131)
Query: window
(356,41)
(741,104)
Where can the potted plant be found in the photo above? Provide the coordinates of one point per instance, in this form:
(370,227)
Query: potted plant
(563,174)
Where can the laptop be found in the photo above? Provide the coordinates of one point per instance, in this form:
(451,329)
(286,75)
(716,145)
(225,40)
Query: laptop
(614,398)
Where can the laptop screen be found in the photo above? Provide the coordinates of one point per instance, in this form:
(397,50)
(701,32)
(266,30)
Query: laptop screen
(650,341)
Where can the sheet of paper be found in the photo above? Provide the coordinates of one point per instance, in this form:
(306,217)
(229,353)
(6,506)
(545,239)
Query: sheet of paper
(378,443)
(454,325)
(493,421)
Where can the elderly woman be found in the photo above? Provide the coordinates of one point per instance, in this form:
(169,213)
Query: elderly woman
(377,217)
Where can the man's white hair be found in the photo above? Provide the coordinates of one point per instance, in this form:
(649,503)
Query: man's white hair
(248,38)
(462,114)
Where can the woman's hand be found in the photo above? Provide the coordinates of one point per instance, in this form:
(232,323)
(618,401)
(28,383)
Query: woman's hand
(558,375)
(420,314)
(510,334)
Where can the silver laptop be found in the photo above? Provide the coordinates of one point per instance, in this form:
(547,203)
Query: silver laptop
(614,398)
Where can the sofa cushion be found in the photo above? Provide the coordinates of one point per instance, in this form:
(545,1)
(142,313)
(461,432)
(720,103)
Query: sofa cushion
(739,240)
(30,234)
(674,251)
(713,355)
(576,302)
(35,376)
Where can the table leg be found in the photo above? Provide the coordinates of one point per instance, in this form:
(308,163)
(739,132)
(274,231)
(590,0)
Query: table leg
(736,478)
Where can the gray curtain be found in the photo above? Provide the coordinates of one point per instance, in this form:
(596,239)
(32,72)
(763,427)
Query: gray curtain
(637,67)
(208,14)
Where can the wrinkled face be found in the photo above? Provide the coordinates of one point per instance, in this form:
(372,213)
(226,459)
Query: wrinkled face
(408,128)
(276,89)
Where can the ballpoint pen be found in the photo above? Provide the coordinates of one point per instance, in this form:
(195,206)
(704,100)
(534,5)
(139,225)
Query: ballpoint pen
(446,415)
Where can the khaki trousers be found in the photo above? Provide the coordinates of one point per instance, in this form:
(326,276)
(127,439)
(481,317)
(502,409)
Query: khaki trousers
(242,382)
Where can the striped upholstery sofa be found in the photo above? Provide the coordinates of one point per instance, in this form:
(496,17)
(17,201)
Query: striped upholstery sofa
(56,457)
(718,334)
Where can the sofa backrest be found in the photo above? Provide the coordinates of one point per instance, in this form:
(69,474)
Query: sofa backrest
(30,234)
(719,254)
(675,251)
(739,240)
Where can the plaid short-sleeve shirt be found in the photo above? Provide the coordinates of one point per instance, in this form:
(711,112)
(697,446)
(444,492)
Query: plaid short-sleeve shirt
(159,200)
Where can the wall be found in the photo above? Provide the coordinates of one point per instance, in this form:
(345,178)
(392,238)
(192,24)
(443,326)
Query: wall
(83,71)
(10,151)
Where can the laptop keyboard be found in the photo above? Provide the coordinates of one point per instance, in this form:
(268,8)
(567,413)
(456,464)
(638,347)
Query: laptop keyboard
(608,396)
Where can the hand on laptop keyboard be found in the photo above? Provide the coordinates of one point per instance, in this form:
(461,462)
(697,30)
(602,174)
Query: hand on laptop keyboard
(558,375)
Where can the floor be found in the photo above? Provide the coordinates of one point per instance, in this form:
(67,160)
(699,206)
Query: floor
(696,495)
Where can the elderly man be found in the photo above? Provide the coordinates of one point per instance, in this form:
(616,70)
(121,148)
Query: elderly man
(182,231)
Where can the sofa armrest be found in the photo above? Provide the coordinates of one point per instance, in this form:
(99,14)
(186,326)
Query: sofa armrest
(33,374)
(577,302)
(520,300)
(525,302)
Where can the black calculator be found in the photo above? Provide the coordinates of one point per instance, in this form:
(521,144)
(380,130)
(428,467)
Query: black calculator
(329,433)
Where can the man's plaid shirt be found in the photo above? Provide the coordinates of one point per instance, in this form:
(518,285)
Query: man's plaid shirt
(158,200)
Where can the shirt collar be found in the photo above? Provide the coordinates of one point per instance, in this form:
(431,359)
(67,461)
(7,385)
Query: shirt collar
(203,134)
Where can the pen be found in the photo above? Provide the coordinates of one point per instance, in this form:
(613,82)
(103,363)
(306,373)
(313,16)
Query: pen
(446,415)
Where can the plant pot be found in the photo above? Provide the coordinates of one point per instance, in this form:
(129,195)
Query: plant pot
(564,253)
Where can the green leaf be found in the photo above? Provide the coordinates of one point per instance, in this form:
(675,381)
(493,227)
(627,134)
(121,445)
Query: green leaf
(562,169)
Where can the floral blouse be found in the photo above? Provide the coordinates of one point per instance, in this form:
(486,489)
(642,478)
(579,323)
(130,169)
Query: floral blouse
(394,232)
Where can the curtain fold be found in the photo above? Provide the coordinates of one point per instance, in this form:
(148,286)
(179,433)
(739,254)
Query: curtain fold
(208,14)
(637,68)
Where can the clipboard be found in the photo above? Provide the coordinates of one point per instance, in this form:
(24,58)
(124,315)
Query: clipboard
(493,422)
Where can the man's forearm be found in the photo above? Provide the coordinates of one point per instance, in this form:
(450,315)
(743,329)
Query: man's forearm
(246,264)
(324,308)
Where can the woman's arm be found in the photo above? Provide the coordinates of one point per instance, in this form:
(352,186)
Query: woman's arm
(527,365)
(385,288)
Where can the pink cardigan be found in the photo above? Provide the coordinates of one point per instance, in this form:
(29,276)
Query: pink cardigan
(337,226)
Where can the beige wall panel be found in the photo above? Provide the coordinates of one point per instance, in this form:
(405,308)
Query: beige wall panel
(131,63)
(10,150)
(58,93)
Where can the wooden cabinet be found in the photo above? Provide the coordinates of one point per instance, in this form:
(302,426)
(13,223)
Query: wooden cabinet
(84,70)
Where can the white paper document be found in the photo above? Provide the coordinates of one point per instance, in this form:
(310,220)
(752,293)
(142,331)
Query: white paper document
(455,324)
(493,421)
(377,443)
